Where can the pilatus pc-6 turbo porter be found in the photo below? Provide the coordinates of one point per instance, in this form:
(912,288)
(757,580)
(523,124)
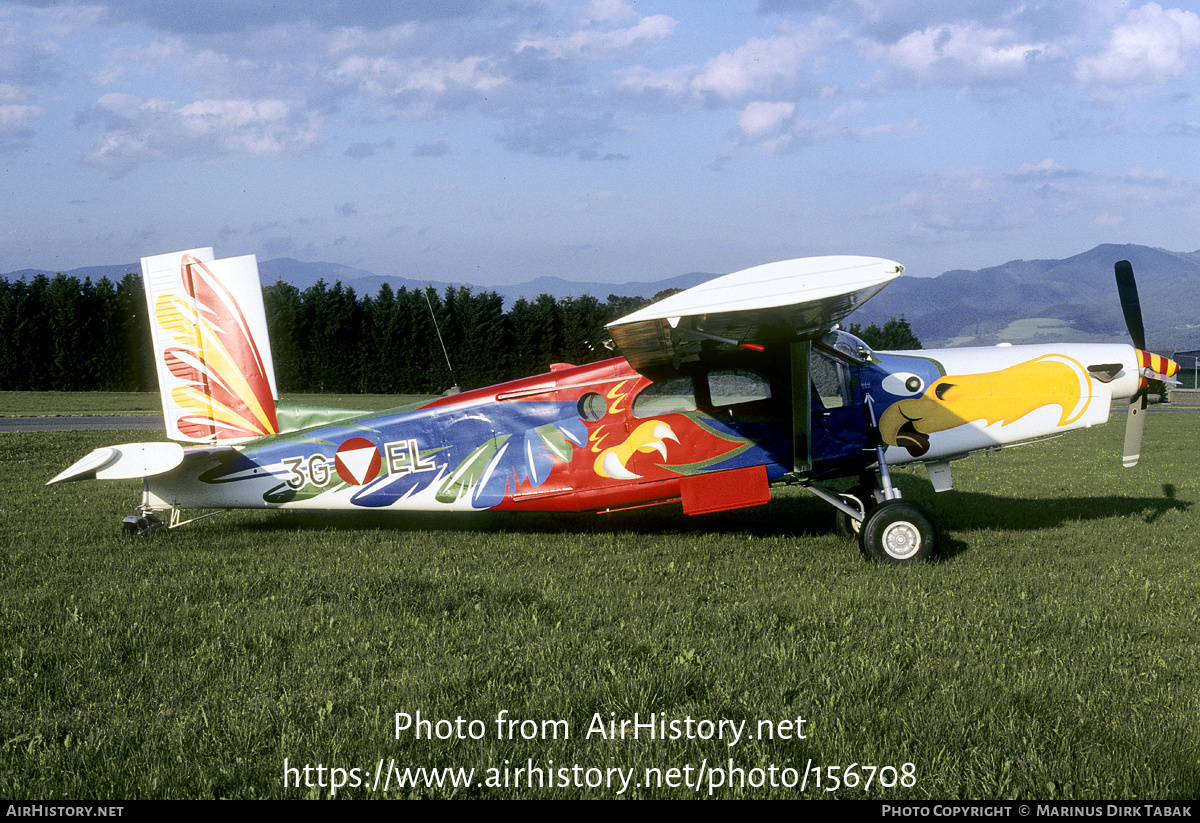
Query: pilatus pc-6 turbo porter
(722,391)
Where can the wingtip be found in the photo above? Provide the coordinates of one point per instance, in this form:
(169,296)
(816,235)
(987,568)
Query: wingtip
(86,467)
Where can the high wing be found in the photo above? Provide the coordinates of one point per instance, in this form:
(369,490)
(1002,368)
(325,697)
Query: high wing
(776,302)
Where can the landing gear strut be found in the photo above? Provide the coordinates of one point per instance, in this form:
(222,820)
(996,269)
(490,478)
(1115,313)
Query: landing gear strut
(894,531)
(848,526)
(861,498)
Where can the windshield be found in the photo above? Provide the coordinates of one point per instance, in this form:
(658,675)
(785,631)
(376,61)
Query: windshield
(847,344)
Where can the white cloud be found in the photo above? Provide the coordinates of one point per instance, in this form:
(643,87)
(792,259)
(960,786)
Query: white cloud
(775,127)
(137,130)
(357,39)
(17,119)
(760,66)
(120,151)
(1046,169)
(591,44)
(1153,176)
(639,79)
(386,77)
(848,109)
(610,11)
(1190,128)
(206,117)
(760,118)
(1153,46)
(958,54)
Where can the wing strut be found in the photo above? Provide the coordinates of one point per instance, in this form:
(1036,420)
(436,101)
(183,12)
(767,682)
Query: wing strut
(801,407)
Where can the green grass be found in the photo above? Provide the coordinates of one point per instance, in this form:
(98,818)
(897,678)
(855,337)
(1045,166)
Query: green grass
(1049,654)
(1033,326)
(56,404)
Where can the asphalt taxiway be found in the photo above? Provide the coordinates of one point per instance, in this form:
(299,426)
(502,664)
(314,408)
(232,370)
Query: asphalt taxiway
(128,422)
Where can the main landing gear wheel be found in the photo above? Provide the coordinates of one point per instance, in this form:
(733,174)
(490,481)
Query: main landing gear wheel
(898,532)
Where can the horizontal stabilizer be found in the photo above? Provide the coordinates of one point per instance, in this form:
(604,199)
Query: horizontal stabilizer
(124,462)
(776,302)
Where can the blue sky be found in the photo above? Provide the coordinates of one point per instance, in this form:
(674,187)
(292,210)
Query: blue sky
(496,141)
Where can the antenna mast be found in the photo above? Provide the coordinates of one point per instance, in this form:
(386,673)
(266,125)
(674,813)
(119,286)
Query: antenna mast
(454,389)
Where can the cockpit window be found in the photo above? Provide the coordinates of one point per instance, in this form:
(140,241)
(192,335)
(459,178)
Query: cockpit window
(731,387)
(664,397)
(717,388)
(849,345)
(830,379)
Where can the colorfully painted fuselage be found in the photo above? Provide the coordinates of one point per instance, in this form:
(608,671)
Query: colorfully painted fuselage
(714,434)
(580,438)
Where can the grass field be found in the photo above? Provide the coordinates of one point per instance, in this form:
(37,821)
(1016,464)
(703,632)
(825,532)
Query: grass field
(1051,653)
(56,404)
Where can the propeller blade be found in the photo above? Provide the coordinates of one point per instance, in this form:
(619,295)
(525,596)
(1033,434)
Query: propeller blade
(1134,427)
(1130,305)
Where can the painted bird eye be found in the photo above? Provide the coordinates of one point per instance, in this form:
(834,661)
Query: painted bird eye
(902,383)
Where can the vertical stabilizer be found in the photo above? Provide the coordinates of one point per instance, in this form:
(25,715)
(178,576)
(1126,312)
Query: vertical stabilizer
(211,350)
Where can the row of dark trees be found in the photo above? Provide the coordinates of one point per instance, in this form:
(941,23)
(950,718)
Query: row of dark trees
(325,339)
(894,335)
(61,334)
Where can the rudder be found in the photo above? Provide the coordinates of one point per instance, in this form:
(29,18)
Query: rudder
(211,350)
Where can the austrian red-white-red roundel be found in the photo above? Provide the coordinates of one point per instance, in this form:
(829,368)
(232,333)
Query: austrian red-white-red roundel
(358,461)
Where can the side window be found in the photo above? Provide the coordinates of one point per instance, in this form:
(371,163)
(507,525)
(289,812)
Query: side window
(731,387)
(830,379)
(664,397)
(591,407)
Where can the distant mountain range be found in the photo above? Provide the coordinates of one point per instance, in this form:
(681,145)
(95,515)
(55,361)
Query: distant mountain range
(303,275)
(1022,301)
(1046,301)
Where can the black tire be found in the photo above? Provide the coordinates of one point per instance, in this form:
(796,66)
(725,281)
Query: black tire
(898,532)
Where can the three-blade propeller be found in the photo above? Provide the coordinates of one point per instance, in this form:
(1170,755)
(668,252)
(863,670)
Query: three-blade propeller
(1132,308)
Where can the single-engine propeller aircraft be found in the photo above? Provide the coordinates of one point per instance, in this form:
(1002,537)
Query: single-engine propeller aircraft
(721,391)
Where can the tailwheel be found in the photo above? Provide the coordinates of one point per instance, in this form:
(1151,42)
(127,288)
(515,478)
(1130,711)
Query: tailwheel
(140,525)
(898,532)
